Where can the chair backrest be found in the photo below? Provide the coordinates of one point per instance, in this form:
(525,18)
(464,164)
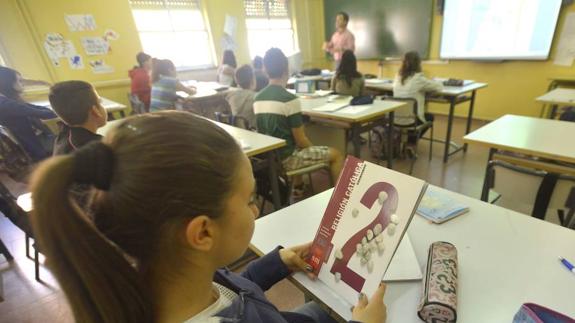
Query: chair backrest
(13,157)
(405,115)
(10,208)
(519,187)
(241,122)
(138,107)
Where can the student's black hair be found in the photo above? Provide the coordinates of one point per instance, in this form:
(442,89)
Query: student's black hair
(229,59)
(275,63)
(411,64)
(347,68)
(258,63)
(245,76)
(344,15)
(142,58)
(72,101)
(8,80)
(161,67)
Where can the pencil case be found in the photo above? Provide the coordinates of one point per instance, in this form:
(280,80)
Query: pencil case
(439,301)
(533,313)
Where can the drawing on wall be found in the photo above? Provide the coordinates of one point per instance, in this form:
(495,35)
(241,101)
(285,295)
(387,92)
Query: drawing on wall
(76,62)
(111,35)
(95,46)
(83,22)
(100,67)
(57,47)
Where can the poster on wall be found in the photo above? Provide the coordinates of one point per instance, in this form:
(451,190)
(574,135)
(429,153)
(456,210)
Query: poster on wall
(565,53)
(76,62)
(100,67)
(111,35)
(57,47)
(95,46)
(83,22)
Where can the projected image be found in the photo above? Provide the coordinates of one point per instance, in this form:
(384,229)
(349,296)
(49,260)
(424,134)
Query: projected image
(494,29)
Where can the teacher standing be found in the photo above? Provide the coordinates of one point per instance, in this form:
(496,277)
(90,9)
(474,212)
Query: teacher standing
(341,40)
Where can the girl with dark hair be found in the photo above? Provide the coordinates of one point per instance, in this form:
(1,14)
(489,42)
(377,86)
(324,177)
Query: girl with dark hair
(227,70)
(165,222)
(23,119)
(165,85)
(347,80)
(140,76)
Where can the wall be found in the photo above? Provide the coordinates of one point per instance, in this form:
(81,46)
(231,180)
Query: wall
(513,86)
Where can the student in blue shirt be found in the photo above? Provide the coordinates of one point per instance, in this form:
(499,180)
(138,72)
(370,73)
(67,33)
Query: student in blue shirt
(23,119)
(175,203)
(165,85)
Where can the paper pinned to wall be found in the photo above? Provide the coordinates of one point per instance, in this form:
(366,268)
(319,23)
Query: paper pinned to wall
(84,22)
(100,67)
(57,48)
(565,52)
(76,62)
(111,34)
(95,46)
(231,26)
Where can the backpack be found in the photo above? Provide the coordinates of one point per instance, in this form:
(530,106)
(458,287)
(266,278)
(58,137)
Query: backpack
(568,114)
(378,142)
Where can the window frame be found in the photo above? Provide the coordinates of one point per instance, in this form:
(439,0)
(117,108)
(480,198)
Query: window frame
(206,29)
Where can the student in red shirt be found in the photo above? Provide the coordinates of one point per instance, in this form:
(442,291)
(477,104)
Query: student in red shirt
(140,76)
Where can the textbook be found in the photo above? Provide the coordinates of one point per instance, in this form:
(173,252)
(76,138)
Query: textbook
(362,226)
(438,207)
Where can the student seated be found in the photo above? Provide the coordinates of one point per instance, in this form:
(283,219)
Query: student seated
(140,76)
(242,101)
(411,83)
(166,221)
(23,119)
(347,80)
(227,70)
(261,77)
(278,114)
(78,105)
(165,85)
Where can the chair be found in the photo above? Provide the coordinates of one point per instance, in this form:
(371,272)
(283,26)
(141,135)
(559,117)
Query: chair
(138,107)
(13,158)
(234,120)
(406,121)
(531,190)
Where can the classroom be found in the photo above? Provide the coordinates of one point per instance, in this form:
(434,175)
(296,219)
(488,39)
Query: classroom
(287,161)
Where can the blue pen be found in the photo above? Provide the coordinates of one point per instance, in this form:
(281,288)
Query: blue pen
(567,264)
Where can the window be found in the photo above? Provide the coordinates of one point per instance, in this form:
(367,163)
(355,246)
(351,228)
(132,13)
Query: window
(175,30)
(269,25)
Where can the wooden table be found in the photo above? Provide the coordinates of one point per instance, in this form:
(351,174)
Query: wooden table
(452,95)
(535,137)
(109,105)
(505,259)
(209,98)
(556,98)
(357,119)
(253,144)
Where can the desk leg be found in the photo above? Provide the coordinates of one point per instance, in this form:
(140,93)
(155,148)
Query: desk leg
(273,177)
(485,189)
(553,112)
(449,126)
(356,139)
(469,117)
(390,140)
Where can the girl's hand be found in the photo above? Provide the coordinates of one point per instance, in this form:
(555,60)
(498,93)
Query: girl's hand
(294,257)
(373,311)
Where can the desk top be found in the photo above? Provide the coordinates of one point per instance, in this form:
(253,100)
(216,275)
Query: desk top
(387,85)
(560,96)
(505,259)
(252,143)
(527,135)
(108,104)
(349,114)
(205,90)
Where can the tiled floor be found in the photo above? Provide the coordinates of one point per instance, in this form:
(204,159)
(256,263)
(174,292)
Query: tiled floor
(29,301)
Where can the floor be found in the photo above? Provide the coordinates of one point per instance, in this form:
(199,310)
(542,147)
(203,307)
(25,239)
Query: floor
(26,300)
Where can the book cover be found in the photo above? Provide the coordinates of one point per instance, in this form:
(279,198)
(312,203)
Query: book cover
(438,207)
(364,222)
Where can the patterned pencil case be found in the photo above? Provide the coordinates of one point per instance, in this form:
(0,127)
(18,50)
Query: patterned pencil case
(439,302)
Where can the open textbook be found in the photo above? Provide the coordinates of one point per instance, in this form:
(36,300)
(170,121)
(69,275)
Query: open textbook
(364,222)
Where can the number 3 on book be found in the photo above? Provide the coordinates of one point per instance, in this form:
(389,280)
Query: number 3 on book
(369,200)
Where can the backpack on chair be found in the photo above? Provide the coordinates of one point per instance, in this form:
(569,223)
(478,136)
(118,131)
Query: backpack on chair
(13,159)
(378,142)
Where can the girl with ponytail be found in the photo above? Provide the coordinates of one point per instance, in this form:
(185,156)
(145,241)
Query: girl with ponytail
(168,213)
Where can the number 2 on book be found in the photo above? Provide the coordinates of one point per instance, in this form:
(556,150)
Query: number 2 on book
(369,199)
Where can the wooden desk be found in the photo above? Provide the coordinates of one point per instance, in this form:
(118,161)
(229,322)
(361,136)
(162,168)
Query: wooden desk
(209,98)
(109,105)
(252,143)
(542,138)
(358,119)
(556,98)
(505,259)
(452,95)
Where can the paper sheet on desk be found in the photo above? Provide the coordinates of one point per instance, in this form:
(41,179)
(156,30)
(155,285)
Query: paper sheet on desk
(355,109)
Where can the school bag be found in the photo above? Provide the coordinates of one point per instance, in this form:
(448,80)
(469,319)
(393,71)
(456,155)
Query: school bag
(378,142)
